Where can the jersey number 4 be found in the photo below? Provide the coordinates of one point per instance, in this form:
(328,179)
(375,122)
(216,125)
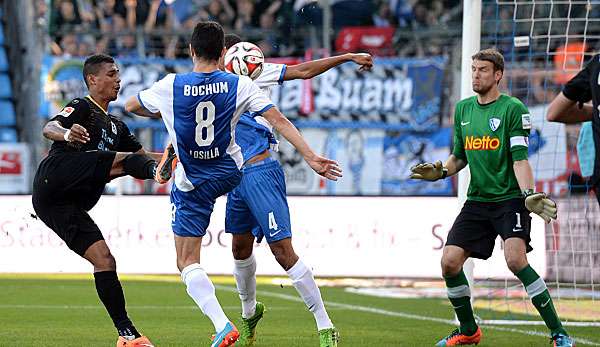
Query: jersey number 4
(205,130)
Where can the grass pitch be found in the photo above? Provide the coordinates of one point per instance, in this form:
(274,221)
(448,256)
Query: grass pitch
(63,310)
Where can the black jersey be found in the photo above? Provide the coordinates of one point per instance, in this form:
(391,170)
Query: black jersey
(107,133)
(585,86)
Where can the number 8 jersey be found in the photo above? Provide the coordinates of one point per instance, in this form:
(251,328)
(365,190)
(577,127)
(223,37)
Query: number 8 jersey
(200,112)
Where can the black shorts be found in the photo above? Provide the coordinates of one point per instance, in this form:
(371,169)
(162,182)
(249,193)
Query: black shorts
(65,187)
(479,223)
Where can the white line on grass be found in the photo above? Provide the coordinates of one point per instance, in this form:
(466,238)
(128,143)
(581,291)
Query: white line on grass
(580,341)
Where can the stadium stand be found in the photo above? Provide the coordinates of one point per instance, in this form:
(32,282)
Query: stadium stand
(8,132)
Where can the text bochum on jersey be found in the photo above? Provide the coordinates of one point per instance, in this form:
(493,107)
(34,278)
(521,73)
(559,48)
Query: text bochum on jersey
(201,90)
(201,111)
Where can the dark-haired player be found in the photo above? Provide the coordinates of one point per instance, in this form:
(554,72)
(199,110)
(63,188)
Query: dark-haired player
(200,110)
(490,134)
(570,106)
(90,147)
(257,208)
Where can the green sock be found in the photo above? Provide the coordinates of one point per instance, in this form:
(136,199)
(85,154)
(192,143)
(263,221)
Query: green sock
(540,297)
(460,297)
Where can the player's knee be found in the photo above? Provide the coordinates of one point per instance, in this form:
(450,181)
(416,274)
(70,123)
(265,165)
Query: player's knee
(105,262)
(450,266)
(241,251)
(285,256)
(183,262)
(516,263)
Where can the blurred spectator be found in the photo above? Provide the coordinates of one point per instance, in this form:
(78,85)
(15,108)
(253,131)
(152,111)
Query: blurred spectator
(69,46)
(219,11)
(280,27)
(64,17)
(87,46)
(245,10)
(403,12)
(41,11)
(123,44)
(186,10)
(105,12)
(383,17)
(420,16)
(135,12)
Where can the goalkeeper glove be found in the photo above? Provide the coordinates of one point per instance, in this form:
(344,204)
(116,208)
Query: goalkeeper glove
(428,171)
(540,204)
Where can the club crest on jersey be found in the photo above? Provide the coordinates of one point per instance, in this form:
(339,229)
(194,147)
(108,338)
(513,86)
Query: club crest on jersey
(114,128)
(494,123)
(66,112)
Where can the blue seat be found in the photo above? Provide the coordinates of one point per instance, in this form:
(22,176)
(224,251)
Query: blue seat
(7,114)
(5,87)
(8,135)
(3,60)
(1,36)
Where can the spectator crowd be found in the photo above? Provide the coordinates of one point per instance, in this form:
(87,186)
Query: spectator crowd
(160,28)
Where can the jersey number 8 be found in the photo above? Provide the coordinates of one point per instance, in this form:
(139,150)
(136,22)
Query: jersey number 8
(205,139)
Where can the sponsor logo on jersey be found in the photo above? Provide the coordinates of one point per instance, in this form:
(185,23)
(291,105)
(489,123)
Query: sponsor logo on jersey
(66,112)
(483,143)
(494,123)
(114,127)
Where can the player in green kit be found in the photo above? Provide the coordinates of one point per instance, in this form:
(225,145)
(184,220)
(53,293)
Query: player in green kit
(491,135)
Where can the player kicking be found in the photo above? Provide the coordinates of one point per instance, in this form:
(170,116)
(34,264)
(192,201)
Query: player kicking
(258,207)
(91,147)
(200,110)
(491,135)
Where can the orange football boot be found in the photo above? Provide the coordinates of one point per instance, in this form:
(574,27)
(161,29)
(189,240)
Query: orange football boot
(456,338)
(226,337)
(139,342)
(166,166)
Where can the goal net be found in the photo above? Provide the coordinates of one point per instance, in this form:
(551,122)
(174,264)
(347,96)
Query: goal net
(545,43)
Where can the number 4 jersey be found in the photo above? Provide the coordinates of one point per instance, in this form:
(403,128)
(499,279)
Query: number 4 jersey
(200,112)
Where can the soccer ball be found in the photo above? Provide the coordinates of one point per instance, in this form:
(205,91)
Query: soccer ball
(244,58)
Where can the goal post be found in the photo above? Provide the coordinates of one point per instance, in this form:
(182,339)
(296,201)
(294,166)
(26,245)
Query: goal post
(471,38)
(545,42)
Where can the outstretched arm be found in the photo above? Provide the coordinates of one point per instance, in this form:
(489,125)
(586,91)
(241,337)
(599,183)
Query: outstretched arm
(314,68)
(436,171)
(133,105)
(565,110)
(323,166)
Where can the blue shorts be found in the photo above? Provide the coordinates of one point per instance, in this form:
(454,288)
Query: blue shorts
(259,203)
(190,211)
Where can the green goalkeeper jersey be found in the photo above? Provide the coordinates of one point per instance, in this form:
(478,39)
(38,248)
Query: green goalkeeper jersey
(490,138)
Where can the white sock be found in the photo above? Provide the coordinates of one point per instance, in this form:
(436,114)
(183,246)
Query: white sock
(305,284)
(201,289)
(244,272)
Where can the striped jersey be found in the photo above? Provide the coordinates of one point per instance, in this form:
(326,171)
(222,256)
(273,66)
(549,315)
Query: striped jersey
(200,112)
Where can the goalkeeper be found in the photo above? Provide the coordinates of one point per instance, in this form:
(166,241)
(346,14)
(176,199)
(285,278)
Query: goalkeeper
(490,134)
